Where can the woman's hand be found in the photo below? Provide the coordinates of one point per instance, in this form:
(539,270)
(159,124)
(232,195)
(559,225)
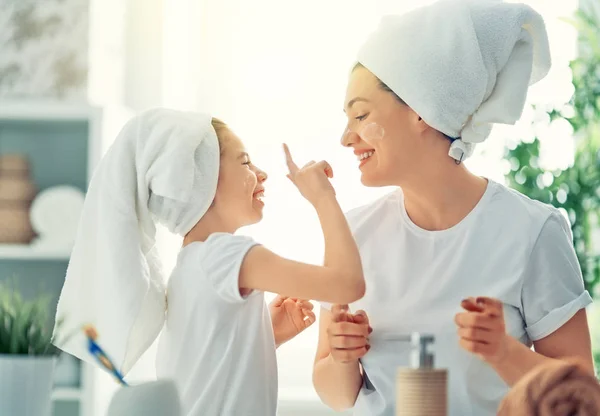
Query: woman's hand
(289,317)
(482,330)
(348,334)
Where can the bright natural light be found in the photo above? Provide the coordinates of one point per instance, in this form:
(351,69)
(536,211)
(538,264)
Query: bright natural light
(72,72)
(277,71)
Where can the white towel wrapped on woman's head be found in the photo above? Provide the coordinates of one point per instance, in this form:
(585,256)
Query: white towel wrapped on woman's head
(462,65)
(162,168)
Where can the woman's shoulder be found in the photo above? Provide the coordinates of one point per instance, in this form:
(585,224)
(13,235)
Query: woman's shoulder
(520,210)
(521,201)
(374,209)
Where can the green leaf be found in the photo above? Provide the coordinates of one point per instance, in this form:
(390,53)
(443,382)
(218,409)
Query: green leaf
(24,328)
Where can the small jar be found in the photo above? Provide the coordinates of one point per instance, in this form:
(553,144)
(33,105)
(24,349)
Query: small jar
(17,192)
(15,226)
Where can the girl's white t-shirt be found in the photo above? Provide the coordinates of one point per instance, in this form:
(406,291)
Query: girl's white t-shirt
(218,346)
(509,247)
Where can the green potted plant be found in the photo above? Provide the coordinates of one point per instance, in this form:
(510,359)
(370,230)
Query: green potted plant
(27,356)
(576,189)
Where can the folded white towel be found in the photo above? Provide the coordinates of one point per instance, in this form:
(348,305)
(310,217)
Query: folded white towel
(163,167)
(462,65)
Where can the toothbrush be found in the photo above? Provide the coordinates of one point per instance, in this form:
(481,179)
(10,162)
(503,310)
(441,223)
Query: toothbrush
(100,355)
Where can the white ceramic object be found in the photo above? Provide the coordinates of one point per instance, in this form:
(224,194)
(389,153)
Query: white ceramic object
(157,398)
(26,385)
(55,215)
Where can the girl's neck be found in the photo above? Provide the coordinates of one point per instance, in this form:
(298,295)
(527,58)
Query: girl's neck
(210,223)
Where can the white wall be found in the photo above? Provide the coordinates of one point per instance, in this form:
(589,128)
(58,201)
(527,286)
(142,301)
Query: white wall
(144,54)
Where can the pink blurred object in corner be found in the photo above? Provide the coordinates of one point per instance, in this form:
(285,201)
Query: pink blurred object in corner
(555,389)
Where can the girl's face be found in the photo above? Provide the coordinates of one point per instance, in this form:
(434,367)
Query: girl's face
(386,135)
(241,184)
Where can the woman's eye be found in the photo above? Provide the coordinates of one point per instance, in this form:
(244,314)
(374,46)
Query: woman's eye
(361,118)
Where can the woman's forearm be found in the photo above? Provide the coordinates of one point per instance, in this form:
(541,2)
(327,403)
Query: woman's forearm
(337,384)
(517,361)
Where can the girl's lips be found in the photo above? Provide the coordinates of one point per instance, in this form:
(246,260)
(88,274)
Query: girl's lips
(259,195)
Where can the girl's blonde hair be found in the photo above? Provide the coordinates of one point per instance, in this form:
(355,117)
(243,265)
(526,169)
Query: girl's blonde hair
(220,128)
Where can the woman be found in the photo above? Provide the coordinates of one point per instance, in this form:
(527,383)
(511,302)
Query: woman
(427,88)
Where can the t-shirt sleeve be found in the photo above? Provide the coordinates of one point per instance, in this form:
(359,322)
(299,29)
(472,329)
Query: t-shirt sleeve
(326,305)
(222,259)
(553,290)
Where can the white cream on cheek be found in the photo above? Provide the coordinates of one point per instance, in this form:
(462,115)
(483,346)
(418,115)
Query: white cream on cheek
(372,132)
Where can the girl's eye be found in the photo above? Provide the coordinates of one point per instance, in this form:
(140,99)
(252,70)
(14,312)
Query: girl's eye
(361,118)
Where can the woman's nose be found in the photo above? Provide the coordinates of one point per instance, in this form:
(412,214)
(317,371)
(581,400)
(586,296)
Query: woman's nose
(349,138)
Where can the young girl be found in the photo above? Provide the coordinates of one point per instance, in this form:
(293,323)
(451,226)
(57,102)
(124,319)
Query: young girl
(192,174)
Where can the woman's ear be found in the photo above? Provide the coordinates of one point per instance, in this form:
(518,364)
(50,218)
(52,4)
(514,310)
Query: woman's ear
(418,122)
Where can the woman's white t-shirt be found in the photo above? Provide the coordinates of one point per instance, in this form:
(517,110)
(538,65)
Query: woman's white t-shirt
(509,247)
(218,346)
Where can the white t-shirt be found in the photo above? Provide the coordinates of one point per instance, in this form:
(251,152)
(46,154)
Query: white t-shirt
(217,346)
(509,247)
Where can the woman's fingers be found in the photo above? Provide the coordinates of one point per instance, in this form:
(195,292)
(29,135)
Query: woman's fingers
(348,329)
(492,306)
(476,335)
(481,329)
(471,305)
(475,347)
(360,317)
(345,342)
(340,313)
(476,320)
(348,334)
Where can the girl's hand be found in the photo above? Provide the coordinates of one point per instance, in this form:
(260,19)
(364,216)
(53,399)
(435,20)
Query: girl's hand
(482,329)
(312,180)
(289,317)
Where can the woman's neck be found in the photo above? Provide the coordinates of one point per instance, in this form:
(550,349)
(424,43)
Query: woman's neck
(441,197)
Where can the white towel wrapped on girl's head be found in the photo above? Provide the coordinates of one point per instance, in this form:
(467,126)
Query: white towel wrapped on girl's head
(462,65)
(162,168)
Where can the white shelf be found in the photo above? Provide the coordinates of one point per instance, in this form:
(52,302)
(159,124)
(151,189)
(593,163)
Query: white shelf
(46,110)
(65,394)
(28,252)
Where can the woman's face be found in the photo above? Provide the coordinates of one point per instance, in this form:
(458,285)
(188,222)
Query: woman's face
(384,133)
(241,184)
